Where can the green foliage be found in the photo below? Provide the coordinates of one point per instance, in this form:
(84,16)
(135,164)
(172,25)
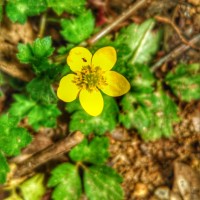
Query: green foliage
(95,152)
(142,42)
(12,139)
(185,81)
(67,183)
(19,10)
(79,28)
(1,11)
(40,89)
(151,114)
(38,115)
(87,124)
(102,183)
(36,54)
(73,7)
(33,188)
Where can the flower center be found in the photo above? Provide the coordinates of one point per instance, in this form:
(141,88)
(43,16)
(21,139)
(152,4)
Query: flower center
(90,78)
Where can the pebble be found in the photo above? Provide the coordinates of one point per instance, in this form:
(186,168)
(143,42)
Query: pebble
(162,192)
(140,190)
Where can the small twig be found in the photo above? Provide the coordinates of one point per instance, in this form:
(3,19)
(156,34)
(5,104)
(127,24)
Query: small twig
(120,19)
(43,21)
(176,52)
(16,72)
(51,152)
(183,39)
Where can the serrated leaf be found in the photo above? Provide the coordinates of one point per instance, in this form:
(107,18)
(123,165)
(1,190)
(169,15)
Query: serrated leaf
(141,40)
(78,29)
(185,81)
(87,124)
(95,152)
(4,168)
(19,10)
(12,138)
(36,54)
(33,188)
(40,89)
(73,7)
(151,114)
(102,183)
(39,115)
(67,183)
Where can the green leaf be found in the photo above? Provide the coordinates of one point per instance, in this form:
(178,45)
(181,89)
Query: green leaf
(102,183)
(38,115)
(19,10)
(185,81)
(67,183)
(40,89)
(141,40)
(78,29)
(87,124)
(12,138)
(33,188)
(73,7)
(151,114)
(95,152)
(4,168)
(36,54)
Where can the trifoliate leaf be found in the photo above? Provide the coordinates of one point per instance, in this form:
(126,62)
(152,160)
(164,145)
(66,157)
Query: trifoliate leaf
(19,10)
(185,81)
(12,138)
(141,40)
(73,7)
(33,188)
(95,152)
(39,115)
(4,168)
(40,89)
(87,124)
(67,183)
(102,183)
(151,114)
(36,54)
(78,29)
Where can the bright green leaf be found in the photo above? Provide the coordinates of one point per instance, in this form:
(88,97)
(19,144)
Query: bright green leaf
(33,188)
(95,152)
(38,114)
(153,114)
(19,10)
(40,89)
(65,178)
(73,7)
(102,183)
(185,81)
(87,124)
(4,168)
(78,29)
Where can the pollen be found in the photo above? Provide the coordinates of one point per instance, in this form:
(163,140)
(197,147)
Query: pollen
(90,78)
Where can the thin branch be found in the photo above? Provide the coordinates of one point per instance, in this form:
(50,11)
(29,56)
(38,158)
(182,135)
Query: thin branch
(42,28)
(120,19)
(175,53)
(16,72)
(183,39)
(51,152)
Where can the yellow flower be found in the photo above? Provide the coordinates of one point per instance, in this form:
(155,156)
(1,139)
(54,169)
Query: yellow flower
(92,73)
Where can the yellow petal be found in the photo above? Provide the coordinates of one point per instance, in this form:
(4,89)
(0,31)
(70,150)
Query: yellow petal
(117,84)
(92,102)
(67,90)
(105,58)
(79,57)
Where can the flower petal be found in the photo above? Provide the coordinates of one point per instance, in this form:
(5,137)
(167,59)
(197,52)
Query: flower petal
(79,57)
(92,102)
(117,84)
(105,58)
(67,90)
